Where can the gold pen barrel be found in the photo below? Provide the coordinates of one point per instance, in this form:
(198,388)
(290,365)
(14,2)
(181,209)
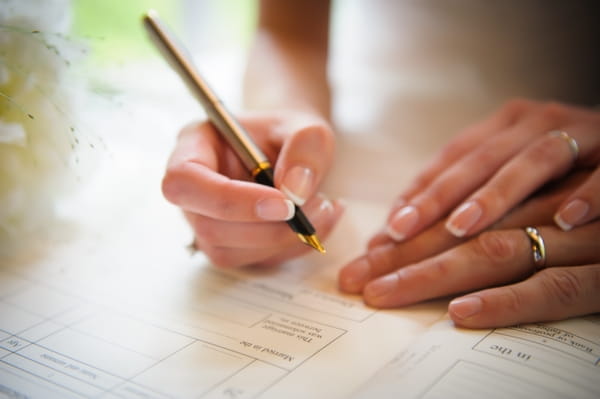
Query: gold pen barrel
(237,137)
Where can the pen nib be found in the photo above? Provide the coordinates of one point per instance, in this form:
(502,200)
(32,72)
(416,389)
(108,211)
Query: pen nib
(312,241)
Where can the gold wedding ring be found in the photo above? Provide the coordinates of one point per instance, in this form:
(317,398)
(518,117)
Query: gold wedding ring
(573,146)
(538,248)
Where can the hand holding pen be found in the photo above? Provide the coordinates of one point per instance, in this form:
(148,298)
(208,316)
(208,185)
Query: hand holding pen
(209,177)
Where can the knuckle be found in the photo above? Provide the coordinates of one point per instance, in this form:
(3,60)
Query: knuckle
(562,284)
(448,153)
(441,268)
(513,300)
(543,151)
(553,112)
(319,135)
(496,246)
(439,192)
(493,198)
(380,259)
(223,202)
(516,107)
(420,182)
(431,201)
(225,206)
(486,157)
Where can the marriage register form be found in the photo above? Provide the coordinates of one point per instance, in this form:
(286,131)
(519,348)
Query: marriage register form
(96,320)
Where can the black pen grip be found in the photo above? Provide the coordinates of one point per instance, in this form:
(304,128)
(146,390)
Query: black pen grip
(299,223)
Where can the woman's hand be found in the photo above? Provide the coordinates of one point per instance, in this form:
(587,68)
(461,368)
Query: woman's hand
(568,286)
(236,221)
(494,165)
(436,263)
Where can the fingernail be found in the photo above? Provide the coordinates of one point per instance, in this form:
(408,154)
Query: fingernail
(402,223)
(465,307)
(356,274)
(297,184)
(463,218)
(275,209)
(571,214)
(382,286)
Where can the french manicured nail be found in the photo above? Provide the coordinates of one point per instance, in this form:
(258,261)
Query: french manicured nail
(382,286)
(463,218)
(402,223)
(297,184)
(275,209)
(571,214)
(356,274)
(466,307)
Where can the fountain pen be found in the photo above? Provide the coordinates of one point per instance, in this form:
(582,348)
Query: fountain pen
(232,131)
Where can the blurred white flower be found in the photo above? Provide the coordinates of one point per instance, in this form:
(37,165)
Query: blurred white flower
(38,130)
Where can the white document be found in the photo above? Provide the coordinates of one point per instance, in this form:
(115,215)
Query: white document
(223,337)
(119,309)
(544,360)
(97,320)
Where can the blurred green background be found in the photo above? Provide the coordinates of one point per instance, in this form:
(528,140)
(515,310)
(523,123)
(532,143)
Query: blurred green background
(114,31)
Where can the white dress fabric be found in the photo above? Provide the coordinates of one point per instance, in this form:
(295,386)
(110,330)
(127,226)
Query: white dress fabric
(407,75)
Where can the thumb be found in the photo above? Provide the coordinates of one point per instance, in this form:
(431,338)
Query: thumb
(304,160)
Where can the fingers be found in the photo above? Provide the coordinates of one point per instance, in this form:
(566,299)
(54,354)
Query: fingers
(258,235)
(464,143)
(506,167)
(196,188)
(465,175)
(385,255)
(205,177)
(460,146)
(304,159)
(237,244)
(389,256)
(228,212)
(492,258)
(202,177)
(545,159)
(539,210)
(582,206)
(551,294)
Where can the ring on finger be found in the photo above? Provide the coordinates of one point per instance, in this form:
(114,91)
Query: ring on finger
(573,146)
(538,247)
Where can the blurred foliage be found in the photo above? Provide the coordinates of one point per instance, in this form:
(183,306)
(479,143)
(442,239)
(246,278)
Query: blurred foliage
(115,33)
(113,28)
